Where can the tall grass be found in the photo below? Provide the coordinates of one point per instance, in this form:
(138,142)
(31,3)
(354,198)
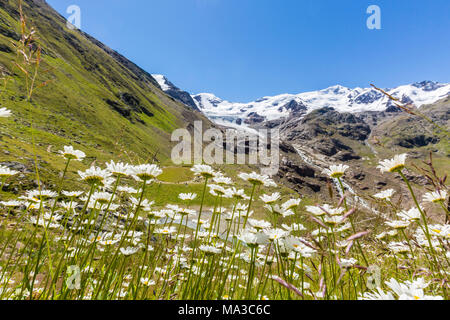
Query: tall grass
(125,249)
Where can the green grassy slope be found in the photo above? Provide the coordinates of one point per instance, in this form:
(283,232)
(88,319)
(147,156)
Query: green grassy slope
(97,100)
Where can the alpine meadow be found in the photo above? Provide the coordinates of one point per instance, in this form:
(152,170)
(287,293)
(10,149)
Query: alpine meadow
(94,206)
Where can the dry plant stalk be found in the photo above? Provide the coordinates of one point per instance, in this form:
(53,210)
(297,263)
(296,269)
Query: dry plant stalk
(28,55)
(408,108)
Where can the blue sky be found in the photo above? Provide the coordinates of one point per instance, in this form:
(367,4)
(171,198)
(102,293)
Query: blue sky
(242,50)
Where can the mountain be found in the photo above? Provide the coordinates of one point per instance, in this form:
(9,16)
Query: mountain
(94,99)
(357,126)
(170,89)
(340,98)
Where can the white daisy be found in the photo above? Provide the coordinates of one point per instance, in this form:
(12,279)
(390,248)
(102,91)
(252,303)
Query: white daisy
(398,224)
(119,169)
(128,251)
(7,172)
(70,153)
(94,175)
(291,204)
(147,282)
(336,171)
(436,196)
(238,194)
(270,199)
(72,194)
(385,194)
(5,113)
(253,239)
(257,179)
(187,196)
(412,214)
(210,250)
(146,172)
(203,170)
(396,164)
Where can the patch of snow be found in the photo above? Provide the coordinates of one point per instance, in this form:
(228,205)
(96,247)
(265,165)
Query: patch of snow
(162,81)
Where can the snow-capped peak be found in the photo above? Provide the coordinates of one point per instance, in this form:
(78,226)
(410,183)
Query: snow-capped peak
(162,81)
(175,92)
(340,98)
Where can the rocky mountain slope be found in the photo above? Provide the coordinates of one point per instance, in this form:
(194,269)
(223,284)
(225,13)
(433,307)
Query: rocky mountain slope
(356,126)
(175,92)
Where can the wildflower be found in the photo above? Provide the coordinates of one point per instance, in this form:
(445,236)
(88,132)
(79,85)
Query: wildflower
(147,282)
(435,197)
(129,190)
(209,250)
(253,239)
(318,212)
(440,230)
(203,170)
(166,230)
(68,205)
(398,247)
(217,190)
(392,233)
(222,180)
(348,263)
(294,227)
(241,207)
(259,224)
(299,247)
(412,214)
(102,197)
(336,171)
(71,154)
(145,203)
(41,194)
(378,295)
(5,113)
(333,221)
(396,164)
(146,172)
(93,204)
(11,204)
(186,212)
(279,211)
(238,194)
(129,251)
(410,290)
(275,234)
(94,176)
(7,172)
(291,204)
(187,196)
(270,199)
(73,194)
(257,179)
(108,242)
(385,194)
(118,169)
(398,224)
(325,209)
(381,236)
